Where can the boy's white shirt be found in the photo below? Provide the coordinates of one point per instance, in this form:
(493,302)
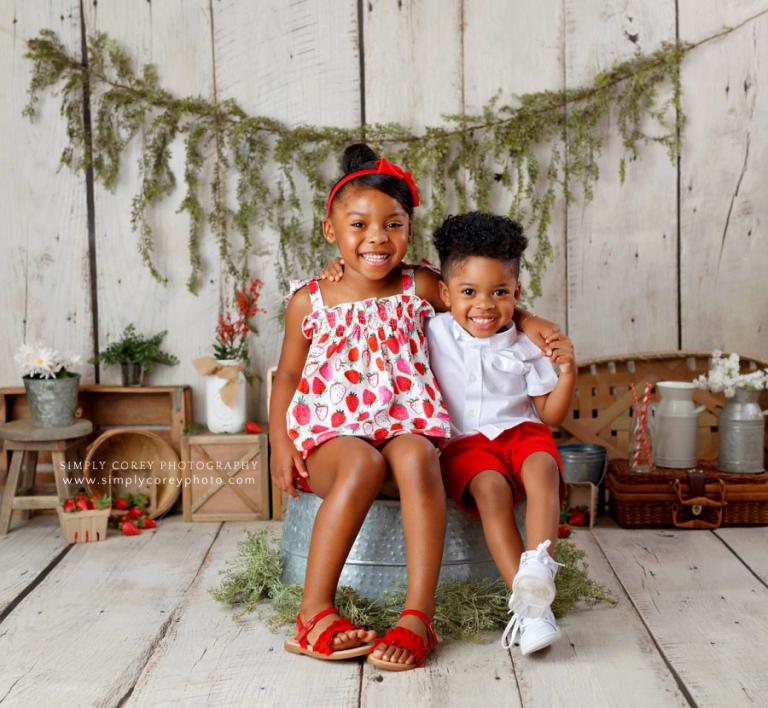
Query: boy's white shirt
(487,383)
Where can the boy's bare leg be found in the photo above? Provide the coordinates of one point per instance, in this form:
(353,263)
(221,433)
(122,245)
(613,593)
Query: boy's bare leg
(348,474)
(415,469)
(495,502)
(541,480)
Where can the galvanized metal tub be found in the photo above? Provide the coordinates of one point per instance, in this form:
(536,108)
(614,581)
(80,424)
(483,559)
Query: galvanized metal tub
(376,562)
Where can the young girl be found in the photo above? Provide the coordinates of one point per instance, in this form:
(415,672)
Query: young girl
(361,408)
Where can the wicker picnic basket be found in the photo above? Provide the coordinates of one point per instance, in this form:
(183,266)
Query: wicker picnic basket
(667,497)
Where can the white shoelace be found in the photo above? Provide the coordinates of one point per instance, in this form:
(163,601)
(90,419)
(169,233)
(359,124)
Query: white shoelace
(513,627)
(541,555)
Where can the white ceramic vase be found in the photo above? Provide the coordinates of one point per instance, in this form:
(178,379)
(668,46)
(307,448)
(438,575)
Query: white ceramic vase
(219,417)
(675,425)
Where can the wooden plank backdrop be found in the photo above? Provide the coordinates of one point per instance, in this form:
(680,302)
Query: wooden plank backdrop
(641,268)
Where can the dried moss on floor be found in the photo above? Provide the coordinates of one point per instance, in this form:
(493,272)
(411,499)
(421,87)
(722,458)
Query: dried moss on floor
(463,609)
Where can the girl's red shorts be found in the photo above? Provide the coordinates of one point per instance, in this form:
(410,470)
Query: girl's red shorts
(464,459)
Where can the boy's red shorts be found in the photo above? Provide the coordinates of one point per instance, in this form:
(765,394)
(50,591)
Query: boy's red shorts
(464,459)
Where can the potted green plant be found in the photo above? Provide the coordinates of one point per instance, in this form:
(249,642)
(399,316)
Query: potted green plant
(136,354)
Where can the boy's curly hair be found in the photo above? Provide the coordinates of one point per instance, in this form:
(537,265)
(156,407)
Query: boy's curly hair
(479,234)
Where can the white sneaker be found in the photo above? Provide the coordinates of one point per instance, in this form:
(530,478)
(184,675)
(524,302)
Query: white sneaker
(535,632)
(533,588)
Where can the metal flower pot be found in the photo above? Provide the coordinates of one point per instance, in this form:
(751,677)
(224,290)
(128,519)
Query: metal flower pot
(376,562)
(742,431)
(52,402)
(132,374)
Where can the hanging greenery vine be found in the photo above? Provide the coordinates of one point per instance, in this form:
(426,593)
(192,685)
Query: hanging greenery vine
(544,144)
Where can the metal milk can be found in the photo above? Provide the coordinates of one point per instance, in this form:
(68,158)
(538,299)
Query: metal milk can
(675,424)
(742,432)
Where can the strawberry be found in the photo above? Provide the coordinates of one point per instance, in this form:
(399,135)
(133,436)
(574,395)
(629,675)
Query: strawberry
(419,423)
(398,411)
(352,402)
(337,393)
(339,332)
(353,354)
(367,428)
(329,435)
(563,531)
(368,397)
(373,379)
(385,394)
(382,334)
(318,385)
(352,376)
(331,350)
(148,523)
(402,365)
(420,367)
(338,418)
(436,432)
(380,363)
(366,358)
(129,528)
(577,517)
(413,345)
(429,409)
(324,338)
(380,434)
(444,416)
(403,383)
(364,416)
(122,503)
(293,433)
(373,343)
(381,420)
(91,505)
(348,317)
(321,411)
(397,426)
(331,318)
(81,504)
(301,412)
(135,512)
(326,371)
(308,445)
(393,344)
(430,391)
(69,505)
(316,429)
(253,428)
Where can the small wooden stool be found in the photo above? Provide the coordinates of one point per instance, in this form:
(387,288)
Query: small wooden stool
(26,441)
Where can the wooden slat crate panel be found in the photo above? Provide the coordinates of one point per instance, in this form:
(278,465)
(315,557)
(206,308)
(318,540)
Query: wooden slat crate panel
(226,478)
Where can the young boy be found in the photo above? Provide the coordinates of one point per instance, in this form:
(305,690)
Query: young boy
(501,393)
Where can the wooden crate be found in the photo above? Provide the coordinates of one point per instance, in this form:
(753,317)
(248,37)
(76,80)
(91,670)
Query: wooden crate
(584,494)
(166,410)
(226,477)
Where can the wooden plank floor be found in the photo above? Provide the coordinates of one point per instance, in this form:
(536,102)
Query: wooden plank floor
(131,622)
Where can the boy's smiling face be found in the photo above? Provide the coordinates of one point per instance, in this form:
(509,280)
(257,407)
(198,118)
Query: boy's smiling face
(481,294)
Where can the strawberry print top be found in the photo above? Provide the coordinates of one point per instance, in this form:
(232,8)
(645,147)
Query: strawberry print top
(367,371)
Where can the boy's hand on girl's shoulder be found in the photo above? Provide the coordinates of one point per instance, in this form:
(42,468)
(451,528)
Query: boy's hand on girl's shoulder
(562,354)
(334,270)
(284,458)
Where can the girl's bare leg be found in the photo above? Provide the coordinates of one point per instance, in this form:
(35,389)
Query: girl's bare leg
(495,502)
(541,480)
(348,474)
(415,469)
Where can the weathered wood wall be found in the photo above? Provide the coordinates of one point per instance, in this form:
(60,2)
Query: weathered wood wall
(673,259)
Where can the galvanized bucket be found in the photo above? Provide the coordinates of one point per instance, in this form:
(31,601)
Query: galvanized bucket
(52,402)
(583,462)
(376,562)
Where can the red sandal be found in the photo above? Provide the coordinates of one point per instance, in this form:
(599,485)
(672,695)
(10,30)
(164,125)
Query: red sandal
(323,647)
(406,639)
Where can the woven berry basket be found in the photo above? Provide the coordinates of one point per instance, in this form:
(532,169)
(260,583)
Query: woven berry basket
(83,526)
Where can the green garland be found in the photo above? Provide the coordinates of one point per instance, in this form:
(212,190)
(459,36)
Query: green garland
(463,609)
(460,166)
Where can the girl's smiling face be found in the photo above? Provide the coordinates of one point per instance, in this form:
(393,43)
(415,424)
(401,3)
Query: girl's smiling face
(481,294)
(370,229)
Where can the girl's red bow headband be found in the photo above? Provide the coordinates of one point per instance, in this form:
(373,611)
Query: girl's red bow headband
(383,167)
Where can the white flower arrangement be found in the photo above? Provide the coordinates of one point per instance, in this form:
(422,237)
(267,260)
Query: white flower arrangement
(724,375)
(40,362)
